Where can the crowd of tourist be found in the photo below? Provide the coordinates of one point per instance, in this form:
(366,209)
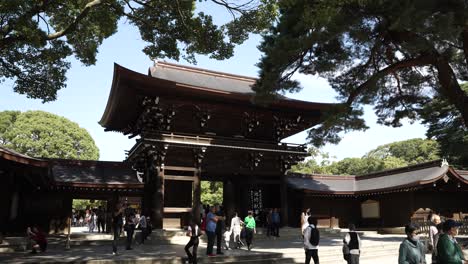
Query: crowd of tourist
(441,241)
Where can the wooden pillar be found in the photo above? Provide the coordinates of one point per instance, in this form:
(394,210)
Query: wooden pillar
(158,199)
(229,199)
(196,196)
(284,201)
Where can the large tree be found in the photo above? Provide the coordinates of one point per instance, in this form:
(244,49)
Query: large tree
(446,127)
(45,135)
(396,55)
(389,156)
(37,36)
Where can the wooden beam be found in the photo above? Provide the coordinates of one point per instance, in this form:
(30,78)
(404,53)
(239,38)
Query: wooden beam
(177,210)
(179,178)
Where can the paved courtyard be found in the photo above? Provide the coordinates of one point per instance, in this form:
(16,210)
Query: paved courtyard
(381,248)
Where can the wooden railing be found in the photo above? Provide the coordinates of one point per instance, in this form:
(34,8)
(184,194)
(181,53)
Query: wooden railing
(425,225)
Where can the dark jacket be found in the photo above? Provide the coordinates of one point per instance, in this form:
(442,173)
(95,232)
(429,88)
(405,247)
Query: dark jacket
(448,252)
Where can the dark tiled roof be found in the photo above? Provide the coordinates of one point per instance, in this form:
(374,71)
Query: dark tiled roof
(14,156)
(463,173)
(202,78)
(383,181)
(93,172)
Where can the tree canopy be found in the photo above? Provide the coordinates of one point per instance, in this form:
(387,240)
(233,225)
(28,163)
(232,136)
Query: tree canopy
(390,156)
(36,37)
(212,193)
(395,55)
(446,126)
(45,135)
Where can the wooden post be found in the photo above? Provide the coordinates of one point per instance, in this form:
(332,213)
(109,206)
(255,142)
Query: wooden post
(196,196)
(284,200)
(229,199)
(158,199)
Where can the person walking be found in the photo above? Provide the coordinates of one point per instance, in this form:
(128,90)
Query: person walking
(311,241)
(194,232)
(448,249)
(353,241)
(411,249)
(117,223)
(211,220)
(304,216)
(129,229)
(236,228)
(275,219)
(250,229)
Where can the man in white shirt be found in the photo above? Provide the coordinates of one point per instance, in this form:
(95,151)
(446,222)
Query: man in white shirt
(353,241)
(311,250)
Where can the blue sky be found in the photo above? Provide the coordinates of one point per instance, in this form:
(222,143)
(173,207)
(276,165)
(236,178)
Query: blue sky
(85,97)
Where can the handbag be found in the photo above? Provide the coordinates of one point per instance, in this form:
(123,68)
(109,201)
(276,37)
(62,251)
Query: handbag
(242,234)
(346,251)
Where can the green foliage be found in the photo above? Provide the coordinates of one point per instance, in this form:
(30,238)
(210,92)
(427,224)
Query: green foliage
(36,37)
(396,55)
(446,127)
(385,157)
(212,193)
(79,204)
(7,118)
(411,151)
(42,134)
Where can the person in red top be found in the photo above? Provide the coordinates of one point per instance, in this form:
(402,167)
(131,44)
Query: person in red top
(38,238)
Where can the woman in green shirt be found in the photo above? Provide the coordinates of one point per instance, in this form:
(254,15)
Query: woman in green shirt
(249,229)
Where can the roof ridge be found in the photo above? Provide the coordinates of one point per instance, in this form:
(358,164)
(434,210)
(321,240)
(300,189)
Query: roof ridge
(204,71)
(396,170)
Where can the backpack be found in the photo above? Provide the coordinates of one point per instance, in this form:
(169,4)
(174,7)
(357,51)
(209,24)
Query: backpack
(314,236)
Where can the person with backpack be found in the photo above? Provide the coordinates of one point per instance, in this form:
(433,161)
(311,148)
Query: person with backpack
(353,241)
(311,241)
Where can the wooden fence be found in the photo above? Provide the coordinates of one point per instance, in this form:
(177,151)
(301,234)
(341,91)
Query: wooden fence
(425,225)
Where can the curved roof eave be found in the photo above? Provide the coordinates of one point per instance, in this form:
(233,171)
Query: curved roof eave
(122,94)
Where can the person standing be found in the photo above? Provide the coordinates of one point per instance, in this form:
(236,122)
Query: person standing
(211,220)
(250,229)
(117,223)
(101,219)
(275,219)
(353,241)
(311,241)
(236,228)
(434,236)
(193,232)
(448,249)
(269,224)
(92,222)
(220,225)
(411,249)
(142,223)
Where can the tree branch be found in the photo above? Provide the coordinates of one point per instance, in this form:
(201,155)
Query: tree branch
(77,20)
(465,44)
(418,61)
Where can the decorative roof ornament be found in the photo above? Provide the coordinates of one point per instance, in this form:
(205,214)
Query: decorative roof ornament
(444,163)
(445,178)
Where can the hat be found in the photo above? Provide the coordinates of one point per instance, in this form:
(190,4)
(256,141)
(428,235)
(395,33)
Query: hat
(449,223)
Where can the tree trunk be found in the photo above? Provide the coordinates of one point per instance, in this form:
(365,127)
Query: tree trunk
(451,88)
